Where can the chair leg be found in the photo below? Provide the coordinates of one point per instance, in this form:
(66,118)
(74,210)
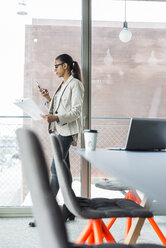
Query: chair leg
(85,233)
(128,225)
(97,229)
(94,232)
(111,222)
(128,195)
(90,239)
(135,197)
(157,230)
(107,235)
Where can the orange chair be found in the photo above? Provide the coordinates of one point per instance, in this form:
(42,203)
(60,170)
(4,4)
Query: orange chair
(132,195)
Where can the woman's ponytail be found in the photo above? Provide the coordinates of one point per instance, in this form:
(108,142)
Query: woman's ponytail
(76,72)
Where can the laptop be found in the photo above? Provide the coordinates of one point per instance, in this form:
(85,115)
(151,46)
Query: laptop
(145,134)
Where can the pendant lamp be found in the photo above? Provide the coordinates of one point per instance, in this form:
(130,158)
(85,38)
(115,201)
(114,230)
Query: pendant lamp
(125,35)
(22,8)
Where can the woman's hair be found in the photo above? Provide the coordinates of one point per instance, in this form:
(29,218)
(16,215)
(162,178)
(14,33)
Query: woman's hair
(73,65)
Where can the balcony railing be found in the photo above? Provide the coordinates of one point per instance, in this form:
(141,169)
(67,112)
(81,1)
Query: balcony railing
(13,190)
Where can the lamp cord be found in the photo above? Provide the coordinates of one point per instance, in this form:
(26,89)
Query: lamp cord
(125,10)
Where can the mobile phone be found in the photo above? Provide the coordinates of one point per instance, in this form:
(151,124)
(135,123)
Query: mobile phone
(38,84)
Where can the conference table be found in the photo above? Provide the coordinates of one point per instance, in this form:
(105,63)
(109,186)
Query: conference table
(141,170)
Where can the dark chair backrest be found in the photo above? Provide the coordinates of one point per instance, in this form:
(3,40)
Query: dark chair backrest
(64,177)
(47,213)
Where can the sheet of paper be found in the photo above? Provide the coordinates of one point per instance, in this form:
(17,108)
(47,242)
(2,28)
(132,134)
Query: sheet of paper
(29,107)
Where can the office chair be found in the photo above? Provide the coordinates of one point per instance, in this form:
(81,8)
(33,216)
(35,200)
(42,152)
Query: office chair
(51,227)
(132,195)
(93,209)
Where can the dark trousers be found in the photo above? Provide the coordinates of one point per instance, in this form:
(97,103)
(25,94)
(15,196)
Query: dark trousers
(66,143)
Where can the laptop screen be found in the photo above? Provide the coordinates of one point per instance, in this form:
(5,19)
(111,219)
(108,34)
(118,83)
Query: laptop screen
(147,134)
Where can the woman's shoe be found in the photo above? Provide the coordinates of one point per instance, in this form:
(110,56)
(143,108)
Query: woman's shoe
(32,224)
(67,215)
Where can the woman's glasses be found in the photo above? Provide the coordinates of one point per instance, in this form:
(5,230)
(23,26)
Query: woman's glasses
(56,66)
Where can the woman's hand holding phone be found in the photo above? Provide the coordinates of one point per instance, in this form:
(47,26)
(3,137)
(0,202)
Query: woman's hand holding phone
(44,92)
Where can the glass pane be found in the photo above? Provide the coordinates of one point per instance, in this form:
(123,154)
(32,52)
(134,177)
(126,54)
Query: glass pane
(29,46)
(128,79)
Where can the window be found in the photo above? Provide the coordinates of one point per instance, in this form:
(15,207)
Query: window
(29,45)
(128,79)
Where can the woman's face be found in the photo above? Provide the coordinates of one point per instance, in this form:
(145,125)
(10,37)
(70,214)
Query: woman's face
(59,68)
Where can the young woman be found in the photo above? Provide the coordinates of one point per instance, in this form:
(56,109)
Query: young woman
(65,109)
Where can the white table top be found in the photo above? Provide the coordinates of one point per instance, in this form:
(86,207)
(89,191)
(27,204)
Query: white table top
(145,171)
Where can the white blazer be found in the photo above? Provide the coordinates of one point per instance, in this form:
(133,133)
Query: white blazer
(68,107)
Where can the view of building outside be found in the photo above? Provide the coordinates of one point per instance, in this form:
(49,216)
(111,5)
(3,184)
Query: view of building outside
(128,80)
